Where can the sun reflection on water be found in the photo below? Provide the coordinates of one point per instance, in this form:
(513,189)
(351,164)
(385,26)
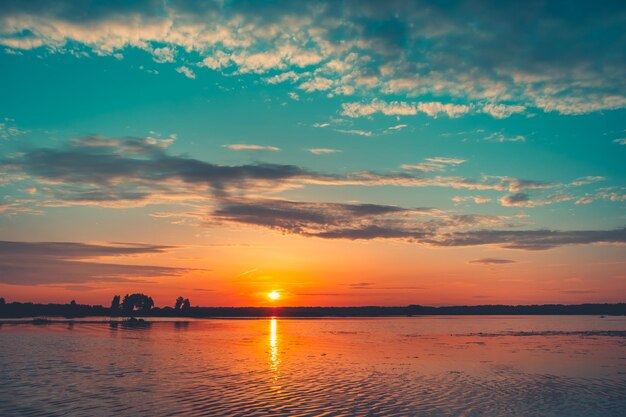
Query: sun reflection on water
(274,359)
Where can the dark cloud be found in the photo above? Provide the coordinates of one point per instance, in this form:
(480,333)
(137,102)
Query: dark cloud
(529,239)
(426,226)
(96,168)
(310,219)
(37,263)
(135,171)
(492,261)
(517,199)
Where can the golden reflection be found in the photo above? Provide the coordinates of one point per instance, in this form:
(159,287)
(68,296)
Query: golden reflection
(274,359)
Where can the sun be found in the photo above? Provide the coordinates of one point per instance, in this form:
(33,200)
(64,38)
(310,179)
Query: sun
(273,295)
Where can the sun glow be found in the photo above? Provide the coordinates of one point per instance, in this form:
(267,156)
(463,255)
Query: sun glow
(274,295)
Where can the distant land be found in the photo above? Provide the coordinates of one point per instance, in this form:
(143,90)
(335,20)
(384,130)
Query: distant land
(74,310)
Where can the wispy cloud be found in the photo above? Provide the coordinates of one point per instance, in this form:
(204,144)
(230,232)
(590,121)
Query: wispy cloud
(502,111)
(355,132)
(248,147)
(500,137)
(434,164)
(492,261)
(475,199)
(38,263)
(322,151)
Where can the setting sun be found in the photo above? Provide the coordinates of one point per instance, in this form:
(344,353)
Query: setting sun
(274,295)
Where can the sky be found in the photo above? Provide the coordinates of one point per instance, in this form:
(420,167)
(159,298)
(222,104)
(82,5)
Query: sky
(340,152)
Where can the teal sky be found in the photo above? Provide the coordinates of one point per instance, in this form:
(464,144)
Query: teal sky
(494,133)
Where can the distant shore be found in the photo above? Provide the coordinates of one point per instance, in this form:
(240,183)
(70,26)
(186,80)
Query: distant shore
(23,310)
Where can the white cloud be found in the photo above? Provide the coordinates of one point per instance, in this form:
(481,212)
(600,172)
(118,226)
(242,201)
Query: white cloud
(322,151)
(500,137)
(186,71)
(163,55)
(247,147)
(355,132)
(475,199)
(401,108)
(435,108)
(620,141)
(316,84)
(433,164)
(285,76)
(502,111)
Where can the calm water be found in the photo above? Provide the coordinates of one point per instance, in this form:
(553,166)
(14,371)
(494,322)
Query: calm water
(422,366)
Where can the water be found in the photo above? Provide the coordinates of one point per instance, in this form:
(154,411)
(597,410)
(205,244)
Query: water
(422,366)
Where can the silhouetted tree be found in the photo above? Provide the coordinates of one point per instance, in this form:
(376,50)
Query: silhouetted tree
(73,303)
(115,303)
(2,302)
(186,304)
(137,302)
(179,303)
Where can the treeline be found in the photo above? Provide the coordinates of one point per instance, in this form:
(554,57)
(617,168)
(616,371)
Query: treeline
(140,305)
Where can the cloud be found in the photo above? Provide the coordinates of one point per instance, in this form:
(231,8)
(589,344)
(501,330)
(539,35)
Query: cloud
(529,239)
(355,132)
(614,194)
(39,263)
(124,172)
(118,172)
(283,77)
(542,58)
(163,55)
(501,111)
(434,109)
(434,164)
(186,71)
(500,138)
(133,171)
(316,84)
(492,261)
(245,147)
(308,219)
(524,200)
(620,141)
(400,108)
(322,151)
(516,200)
(9,130)
(418,225)
(475,199)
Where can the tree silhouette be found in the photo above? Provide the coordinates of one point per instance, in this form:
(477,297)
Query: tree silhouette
(179,303)
(115,303)
(137,302)
(2,302)
(186,304)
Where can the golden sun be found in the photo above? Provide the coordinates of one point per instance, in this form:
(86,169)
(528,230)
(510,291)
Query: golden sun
(274,295)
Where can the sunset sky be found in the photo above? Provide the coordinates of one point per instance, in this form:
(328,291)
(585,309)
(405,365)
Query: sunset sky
(340,153)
